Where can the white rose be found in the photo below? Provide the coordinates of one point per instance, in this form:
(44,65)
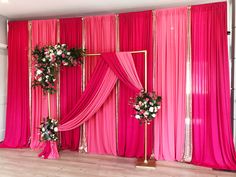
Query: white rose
(43,129)
(145,113)
(40,79)
(47,76)
(38,72)
(63,45)
(43,59)
(137,107)
(55,129)
(153,115)
(68,53)
(158,107)
(65,64)
(137,116)
(59,52)
(51,51)
(151,109)
(54,80)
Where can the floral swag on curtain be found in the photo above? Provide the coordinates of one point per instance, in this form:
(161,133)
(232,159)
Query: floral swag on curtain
(110,68)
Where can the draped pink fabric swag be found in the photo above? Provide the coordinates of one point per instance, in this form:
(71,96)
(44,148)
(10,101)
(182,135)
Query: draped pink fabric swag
(110,68)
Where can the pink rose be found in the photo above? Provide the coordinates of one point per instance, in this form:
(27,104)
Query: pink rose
(74,63)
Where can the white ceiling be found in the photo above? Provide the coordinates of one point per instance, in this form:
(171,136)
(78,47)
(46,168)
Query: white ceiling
(32,9)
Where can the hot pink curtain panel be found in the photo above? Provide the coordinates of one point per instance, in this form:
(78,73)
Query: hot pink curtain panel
(70,79)
(110,68)
(100,36)
(212,134)
(17,114)
(170,83)
(135,33)
(44,32)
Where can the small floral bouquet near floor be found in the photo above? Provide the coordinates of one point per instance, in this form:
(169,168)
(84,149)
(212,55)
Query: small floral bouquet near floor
(146,106)
(49,129)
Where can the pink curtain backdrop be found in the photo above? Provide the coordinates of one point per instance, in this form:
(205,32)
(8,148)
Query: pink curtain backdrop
(100,36)
(135,30)
(44,32)
(17,114)
(70,79)
(170,81)
(108,70)
(212,135)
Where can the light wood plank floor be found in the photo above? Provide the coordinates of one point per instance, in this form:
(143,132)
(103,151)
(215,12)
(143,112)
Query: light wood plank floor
(25,163)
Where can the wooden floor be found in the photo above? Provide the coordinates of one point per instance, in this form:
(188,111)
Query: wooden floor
(25,163)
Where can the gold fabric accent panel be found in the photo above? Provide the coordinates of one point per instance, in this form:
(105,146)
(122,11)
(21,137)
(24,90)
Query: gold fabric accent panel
(188,120)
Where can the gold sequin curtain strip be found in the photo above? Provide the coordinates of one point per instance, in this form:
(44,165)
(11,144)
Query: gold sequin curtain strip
(83,141)
(30,71)
(58,82)
(188,120)
(154,67)
(117,83)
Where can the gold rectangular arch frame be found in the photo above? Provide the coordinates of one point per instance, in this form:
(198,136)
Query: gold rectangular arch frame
(141,162)
(132,52)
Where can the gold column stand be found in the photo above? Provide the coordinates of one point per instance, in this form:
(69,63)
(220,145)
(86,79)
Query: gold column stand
(144,162)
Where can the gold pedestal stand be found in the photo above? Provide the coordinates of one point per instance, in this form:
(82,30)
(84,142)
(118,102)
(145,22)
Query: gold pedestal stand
(145,163)
(150,164)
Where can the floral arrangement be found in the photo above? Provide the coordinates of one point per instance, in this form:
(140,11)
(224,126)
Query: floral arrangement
(146,106)
(49,129)
(49,59)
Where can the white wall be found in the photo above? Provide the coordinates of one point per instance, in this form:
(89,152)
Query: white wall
(3,74)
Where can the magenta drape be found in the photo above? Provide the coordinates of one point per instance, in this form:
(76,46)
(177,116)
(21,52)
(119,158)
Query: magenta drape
(135,31)
(17,114)
(70,79)
(109,69)
(212,134)
(100,36)
(170,83)
(50,150)
(44,32)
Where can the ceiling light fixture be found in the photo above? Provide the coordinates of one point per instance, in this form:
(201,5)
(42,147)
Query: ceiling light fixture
(4,1)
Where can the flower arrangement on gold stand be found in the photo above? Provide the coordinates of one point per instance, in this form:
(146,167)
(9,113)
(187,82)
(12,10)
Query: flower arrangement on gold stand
(49,129)
(49,59)
(146,106)
(47,63)
(49,134)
